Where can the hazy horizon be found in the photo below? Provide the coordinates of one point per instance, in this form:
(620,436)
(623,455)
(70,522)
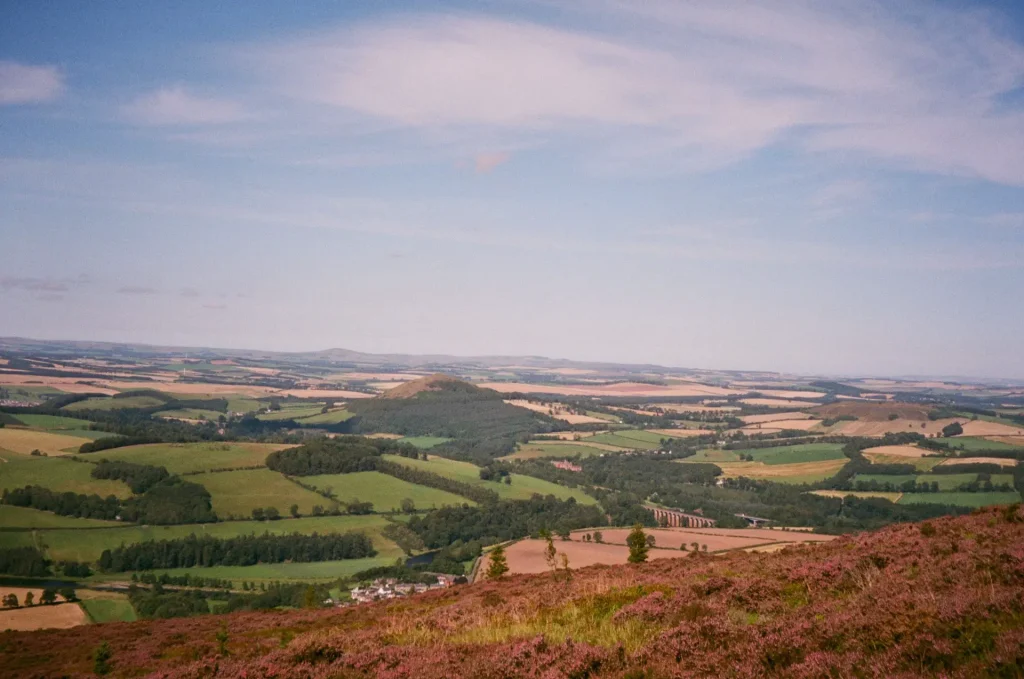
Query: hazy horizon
(785,187)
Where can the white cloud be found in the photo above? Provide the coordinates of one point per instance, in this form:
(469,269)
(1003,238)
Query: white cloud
(173,106)
(707,83)
(26,84)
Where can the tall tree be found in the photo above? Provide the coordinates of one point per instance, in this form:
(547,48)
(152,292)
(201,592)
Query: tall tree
(637,542)
(498,563)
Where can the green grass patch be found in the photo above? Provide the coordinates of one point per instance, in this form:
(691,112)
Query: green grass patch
(24,517)
(424,442)
(521,488)
(109,403)
(191,414)
(385,492)
(109,610)
(335,416)
(805,452)
(292,412)
(236,494)
(243,405)
(87,545)
(607,417)
(947,482)
(186,458)
(712,455)
(59,474)
(976,444)
(52,422)
(961,499)
(628,438)
(303,572)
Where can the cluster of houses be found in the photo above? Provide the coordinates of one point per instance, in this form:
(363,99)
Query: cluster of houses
(390,588)
(567,466)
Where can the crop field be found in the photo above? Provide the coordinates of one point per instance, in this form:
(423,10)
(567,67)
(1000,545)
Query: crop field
(57,616)
(240,404)
(962,499)
(385,492)
(59,474)
(947,482)
(424,442)
(922,464)
(781,455)
(897,451)
(114,403)
(885,495)
(976,443)
(1001,461)
(800,472)
(87,545)
(529,451)
(187,458)
(331,417)
(113,609)
(629,439)
(697,430)
(521,488)
(984,427)
(25,517)
(24,441)
(318,571)
(52,422)
(191,414)
(237,493)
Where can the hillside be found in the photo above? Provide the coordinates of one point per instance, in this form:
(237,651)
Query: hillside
(436,382)
(940,598)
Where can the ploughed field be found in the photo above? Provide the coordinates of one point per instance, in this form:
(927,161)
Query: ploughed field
(935,599)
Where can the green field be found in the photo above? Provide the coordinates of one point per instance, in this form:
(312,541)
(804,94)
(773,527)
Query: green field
(191,414)
(424,442)
(331,417)
(961,499)
(52,422)
(303,572)
(608,417)
(385,492)
(712,455)
(947,482)
(804,452)
(108,610)
(521,488)
(976,443)
(242,404)
(109,403)
(293,412)
(629,438)
(237,493)
(87,545)
(187,458)
(529,451)
(24,517)
(59,474)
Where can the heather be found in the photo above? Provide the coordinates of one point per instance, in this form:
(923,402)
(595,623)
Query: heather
(943,598)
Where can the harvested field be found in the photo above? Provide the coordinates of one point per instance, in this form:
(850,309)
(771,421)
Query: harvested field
(775,403)
(693,408)
(681,433)
(24,441)
(614,389)
(772,417)
(673,538)
(779,425)
(384,436)
(873,411)
(790,394)
(1015,441)
(69,385)
(897,451)
(322,393)
(555,410)
(891,497)
(920,463)
(876,428)
(57,616)
(571,435)
(527,556)
(1002,461)
(986,428)
(538,449)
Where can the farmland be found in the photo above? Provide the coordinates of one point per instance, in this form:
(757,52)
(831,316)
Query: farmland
(801,463)
(980,499)
(52,422)
(113,608)
(238,493)
(975,444)
(57,474)
(521,488)
(114,403)
(385,492)
(24,441)
(529,451)
(24,517)
(189,458)
(424,442)
(628,439)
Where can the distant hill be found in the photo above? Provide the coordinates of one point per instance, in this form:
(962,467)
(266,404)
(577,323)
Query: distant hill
(430,383)
(911,600)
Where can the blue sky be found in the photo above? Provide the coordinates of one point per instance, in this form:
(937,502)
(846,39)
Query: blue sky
(817,187)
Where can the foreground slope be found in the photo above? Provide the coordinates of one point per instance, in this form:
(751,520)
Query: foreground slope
(938,599)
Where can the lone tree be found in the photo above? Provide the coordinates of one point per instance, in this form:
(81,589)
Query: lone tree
(637,542)
(952,429)
(550,553)
(598,536)
(408,506)
(101,659)
(49,597)
(498,564)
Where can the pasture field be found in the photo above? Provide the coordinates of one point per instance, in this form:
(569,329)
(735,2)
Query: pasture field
(962,499)
(947,482)
(242,404)
(713,455)
(424,442)
(521,488)
(976,443)
(318,571)
(992,426)
(781,455)
(114,609)
(799,472)
(922,464)
(293,412)
(52,422)
(25,517)
(629,439)
(530,451)
(894,479)
(87,545)
(885,495)
(188,458)
(385,492)
(1001,461)
(59,474)
(107,403)
(607,417)
(330,417)
(237,493)
(191,414)
(24,441)
(90,434)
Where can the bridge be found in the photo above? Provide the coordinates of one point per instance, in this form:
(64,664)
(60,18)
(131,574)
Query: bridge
(678,519)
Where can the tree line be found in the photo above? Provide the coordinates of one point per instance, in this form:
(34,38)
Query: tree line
(243,550)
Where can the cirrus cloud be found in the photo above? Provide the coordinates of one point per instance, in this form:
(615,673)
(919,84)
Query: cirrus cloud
(176,106)
(28,84)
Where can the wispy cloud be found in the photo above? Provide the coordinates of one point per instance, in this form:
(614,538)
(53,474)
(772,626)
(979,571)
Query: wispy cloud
(136,290)
(176,106)
(711,83)
(29,284)
(28,84)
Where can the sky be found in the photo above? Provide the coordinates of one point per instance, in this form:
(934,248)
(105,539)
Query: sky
(825,188)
